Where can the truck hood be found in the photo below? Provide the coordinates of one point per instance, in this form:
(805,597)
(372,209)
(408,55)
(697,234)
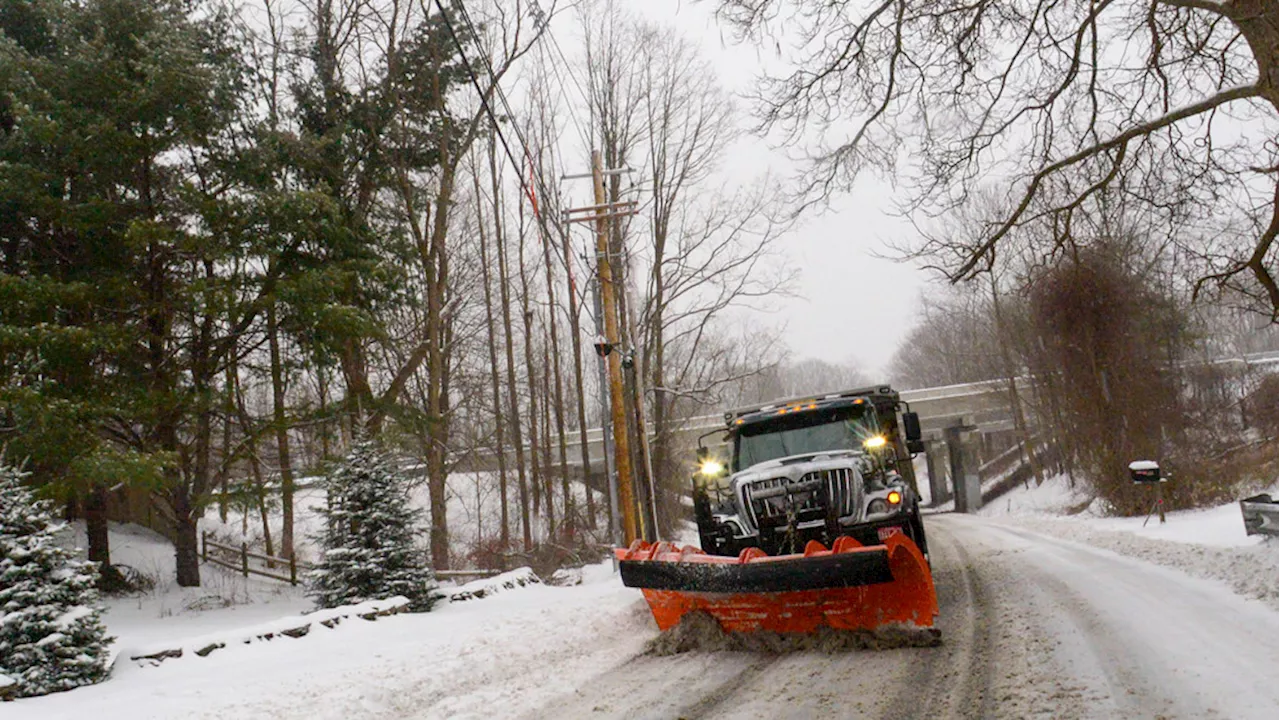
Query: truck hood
(795,466)
(824,459)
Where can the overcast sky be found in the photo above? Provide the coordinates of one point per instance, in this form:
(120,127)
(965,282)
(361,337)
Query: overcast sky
(855,306)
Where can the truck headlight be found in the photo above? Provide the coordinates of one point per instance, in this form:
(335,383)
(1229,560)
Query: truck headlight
(711,467)
(875,442)
(877,506)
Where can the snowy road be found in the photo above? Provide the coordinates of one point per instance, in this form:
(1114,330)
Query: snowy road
(1032,627)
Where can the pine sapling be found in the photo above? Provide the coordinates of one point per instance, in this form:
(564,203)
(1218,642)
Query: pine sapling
(51,632)
(369,541)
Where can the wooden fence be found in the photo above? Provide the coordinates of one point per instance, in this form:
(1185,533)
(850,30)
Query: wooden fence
(237,558)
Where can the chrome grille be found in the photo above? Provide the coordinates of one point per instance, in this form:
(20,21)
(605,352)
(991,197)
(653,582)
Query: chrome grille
(840,485)
(767,499)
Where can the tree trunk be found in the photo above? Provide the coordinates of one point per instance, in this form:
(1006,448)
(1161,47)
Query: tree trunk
(281,427)
(512,397)
(437,368)
(322,381)
(655,357)
(575,336)
(224,471)
(260,495)
(548,489)
(535,475)
(494,381)
(567,513)
(255,463)
(95,522)
(186,550)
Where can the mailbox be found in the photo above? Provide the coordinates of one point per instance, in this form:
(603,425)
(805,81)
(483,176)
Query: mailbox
(1145,471)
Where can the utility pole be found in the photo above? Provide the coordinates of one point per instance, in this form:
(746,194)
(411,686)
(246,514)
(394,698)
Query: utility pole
(650,513)
(615,522)
(611,350)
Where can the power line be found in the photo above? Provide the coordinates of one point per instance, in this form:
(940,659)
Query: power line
(583,135)
(475,81)
(465,17)
(568,68)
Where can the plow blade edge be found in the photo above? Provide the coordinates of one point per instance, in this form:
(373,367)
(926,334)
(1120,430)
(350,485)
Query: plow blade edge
(849,587)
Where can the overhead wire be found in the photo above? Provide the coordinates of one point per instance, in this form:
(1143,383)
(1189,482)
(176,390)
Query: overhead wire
(502,98)
(487,107)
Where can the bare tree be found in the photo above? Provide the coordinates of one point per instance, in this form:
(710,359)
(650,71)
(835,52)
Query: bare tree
(703,247)
(953,342)
(1170,103)
(813,375)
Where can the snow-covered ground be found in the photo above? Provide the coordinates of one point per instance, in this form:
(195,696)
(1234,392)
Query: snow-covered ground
(510,650)
(521,651)
(168,612)
(1208,543)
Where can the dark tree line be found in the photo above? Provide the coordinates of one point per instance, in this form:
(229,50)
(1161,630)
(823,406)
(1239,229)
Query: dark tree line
(232,241)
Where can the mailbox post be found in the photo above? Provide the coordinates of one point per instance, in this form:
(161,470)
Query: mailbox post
(1147,472)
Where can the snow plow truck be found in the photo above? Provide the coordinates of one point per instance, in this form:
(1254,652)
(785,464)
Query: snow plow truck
(808,516)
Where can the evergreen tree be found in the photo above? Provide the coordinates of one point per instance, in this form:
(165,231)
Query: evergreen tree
(123,287)
(51,632)
(368,542)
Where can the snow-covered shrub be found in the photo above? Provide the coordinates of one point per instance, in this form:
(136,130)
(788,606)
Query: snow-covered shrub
(51,632)
(368,548)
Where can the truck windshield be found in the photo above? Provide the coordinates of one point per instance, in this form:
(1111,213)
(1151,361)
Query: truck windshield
(801,434)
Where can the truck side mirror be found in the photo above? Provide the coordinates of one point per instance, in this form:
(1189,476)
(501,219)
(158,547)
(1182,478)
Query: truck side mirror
(911,426)
(911,432)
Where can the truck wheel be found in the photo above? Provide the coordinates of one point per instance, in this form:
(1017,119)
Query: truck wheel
(917,534)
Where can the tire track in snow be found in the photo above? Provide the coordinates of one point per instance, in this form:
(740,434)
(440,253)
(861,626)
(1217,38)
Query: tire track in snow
(1161,644)
(729,691)
(952,680)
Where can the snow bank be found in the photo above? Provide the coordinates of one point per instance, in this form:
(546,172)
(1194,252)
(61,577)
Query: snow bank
(1220,526)
(294,626)
(506,656)
(488,587)
(1052,497)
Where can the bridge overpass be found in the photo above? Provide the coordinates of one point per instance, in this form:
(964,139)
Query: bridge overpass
(964,425)
(984,405)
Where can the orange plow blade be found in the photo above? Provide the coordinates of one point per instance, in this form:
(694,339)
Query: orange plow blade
(849,587)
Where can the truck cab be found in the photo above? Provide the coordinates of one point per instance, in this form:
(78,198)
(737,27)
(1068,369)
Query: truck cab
(811,468)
